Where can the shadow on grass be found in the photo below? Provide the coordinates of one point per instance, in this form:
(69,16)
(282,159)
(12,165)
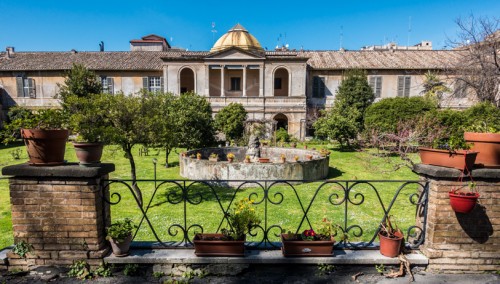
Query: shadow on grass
(334,173)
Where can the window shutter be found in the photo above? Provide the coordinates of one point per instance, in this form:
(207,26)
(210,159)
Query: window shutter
(161,83)
(20,86)
(372,83)
(145,83)
(400,85)
(378,87)
(32,88)
(110,83)
(321,88)
(315,86)
(407,86)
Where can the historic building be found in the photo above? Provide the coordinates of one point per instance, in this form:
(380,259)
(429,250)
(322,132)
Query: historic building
(284,86)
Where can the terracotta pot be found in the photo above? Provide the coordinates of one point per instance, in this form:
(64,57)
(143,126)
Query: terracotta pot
(488,146)
(213,159)
(390,247)
(463,203)
(460,159)
(283,160)
(121,249)
(45,147)
(217,247)
(230,160)
(88,153)
(306,248)
(263,160)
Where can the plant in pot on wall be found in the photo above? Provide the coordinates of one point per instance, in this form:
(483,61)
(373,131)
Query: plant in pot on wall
(450,152)
(391,238)
(464,202)
(230,157)
(213,157)
(485,139)
(89,119)
(119,235)
(231,242)
(309,242)
(44,133)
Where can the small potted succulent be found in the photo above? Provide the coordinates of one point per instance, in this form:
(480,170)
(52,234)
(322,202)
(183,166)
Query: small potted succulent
(296,158)
(391,238)
(247,159)
(310,242)
(324,152)
(230,242)
(213,157)
(198,156)
(44,133)
(119,234)
(230,157)
(282,158)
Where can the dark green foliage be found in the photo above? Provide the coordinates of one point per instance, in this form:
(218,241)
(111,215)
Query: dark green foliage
(193,118)
(131,269)
(80,82)
(384,116)
(80,269)
(22,248)
(104,270)
(282,135)
(483,117)
(120,230)
(230,120)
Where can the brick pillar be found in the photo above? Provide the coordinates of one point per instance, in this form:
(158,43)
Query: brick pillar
(457,242)
(60,212)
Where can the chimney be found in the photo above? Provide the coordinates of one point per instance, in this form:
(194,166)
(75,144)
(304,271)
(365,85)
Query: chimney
(10,51)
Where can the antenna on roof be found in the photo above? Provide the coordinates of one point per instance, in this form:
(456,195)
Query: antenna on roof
(214,31)
(341,37)
(409,31)
(101,46)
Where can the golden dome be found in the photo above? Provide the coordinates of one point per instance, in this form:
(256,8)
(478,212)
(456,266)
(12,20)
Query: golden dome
(237,36)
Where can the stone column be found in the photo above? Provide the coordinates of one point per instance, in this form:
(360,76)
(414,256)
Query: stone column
(60,211)
(261,80)
(222,81)
(244,80)
(458,242)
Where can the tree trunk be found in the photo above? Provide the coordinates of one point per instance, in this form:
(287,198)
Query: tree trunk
(167,153)
(137,191)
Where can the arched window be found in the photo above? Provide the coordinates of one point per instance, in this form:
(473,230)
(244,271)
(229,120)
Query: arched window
(281,79)
(186,80)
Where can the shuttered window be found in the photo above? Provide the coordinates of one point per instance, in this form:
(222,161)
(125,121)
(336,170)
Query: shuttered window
(153,83)
(404,83)
(107,85)
(376,85)
(26,87)
(318,87)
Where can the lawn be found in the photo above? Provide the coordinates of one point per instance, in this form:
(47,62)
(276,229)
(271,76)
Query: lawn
(357,165)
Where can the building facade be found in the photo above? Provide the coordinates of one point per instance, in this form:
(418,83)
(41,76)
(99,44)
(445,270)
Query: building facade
(284,87)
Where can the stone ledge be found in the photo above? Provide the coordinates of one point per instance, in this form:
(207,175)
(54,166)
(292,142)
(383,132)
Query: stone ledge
(71,170)
(453,174)
(187,256)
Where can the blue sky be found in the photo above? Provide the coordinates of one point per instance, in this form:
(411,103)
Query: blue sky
(34,25)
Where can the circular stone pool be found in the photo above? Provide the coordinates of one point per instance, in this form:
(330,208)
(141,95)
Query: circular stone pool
(310,165)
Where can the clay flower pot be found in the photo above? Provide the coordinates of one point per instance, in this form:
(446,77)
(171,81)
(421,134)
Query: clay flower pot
(45,147)
(263,160)
(293,247)
(88,153)
(390,247)
(460,159)
(488,146)
(121,249)
(214,245)
(463,202)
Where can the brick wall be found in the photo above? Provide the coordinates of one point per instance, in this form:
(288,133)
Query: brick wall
(458,242)
(62,217)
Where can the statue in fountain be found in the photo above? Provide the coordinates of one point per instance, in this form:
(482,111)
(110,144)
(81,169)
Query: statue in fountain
(253,147)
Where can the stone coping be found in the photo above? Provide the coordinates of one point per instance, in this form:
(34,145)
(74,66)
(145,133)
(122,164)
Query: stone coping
(453,174)
(187,256)
(71,170)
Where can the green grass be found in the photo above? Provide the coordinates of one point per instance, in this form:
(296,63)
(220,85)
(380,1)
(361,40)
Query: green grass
(359,165)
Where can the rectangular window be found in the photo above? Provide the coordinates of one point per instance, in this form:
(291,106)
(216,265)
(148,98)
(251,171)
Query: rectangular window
(376,85)
(26,87)
(235,84)
(460,89)
(318,87)
(153,83)
(107,85)
(404,83)
(277,83)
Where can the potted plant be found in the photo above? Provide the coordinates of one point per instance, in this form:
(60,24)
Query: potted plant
(391,238)
(452,153)
(296,158)
(89,119)
(43,131)
(309,242)
(230,157)
(247,159)
(282,158)
(463,202)
(309,157)
(263,160)
(485,139)
(213,157)
(119,234)
(231,242)
(198,156)
(324,152)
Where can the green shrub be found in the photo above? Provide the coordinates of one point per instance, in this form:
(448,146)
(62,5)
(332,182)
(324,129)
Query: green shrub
(282,135)
(482,117)
(384,116)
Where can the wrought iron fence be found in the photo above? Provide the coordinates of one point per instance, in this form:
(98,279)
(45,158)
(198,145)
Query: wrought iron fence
(170,212)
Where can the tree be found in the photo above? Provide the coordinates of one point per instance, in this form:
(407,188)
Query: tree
(193,121)
(478,68)
(230,120)
(164,128)
(344,121)
(434,88)
(80,82)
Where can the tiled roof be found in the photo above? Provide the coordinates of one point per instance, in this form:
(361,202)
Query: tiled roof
(136,60)
(151,60)
(387,59)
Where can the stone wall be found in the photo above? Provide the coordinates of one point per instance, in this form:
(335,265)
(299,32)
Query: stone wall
(458,242)
(60,212)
